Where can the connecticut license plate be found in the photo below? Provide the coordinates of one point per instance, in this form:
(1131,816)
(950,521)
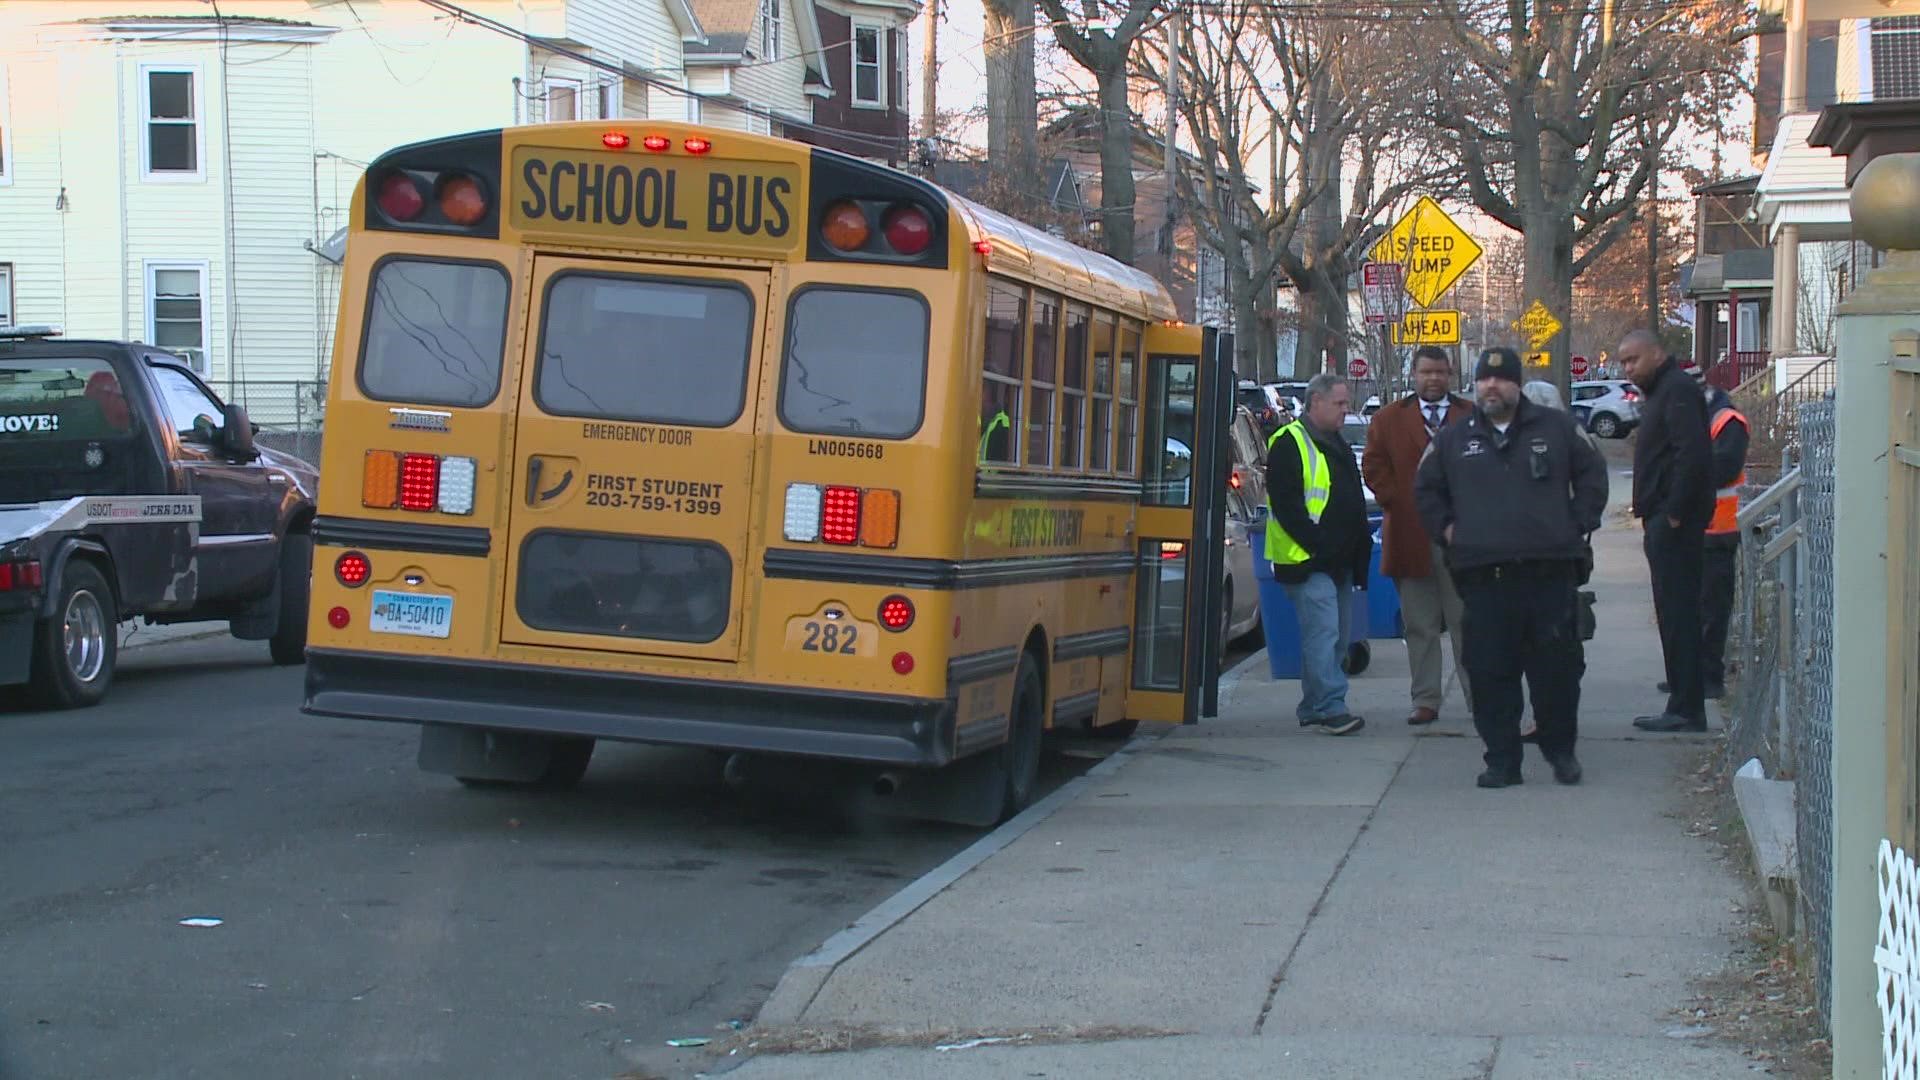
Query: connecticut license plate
(418,614)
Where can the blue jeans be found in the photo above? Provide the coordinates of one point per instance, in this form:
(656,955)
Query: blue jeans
(1324,607)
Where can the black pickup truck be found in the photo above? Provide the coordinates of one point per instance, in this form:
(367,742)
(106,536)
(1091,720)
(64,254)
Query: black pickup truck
(128,490)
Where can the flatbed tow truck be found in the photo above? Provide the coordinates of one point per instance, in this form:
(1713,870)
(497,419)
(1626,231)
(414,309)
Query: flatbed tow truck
(129,490)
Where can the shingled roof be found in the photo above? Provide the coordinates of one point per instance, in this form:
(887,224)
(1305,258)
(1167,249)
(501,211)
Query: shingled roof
(731,26)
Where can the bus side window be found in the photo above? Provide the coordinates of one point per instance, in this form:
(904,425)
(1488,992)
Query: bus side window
(1003,372)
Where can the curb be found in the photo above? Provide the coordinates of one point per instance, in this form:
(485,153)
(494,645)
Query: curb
(807,976)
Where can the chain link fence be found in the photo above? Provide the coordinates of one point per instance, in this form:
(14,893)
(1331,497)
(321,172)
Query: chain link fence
(1813,734)
(289,413)
(1780,663)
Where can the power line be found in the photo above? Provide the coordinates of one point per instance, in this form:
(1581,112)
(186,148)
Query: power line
(896,146)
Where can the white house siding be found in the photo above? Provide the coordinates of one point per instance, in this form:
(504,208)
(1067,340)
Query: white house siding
(171,221)
(634,100)
(270,93)
(636,32)
(778,85)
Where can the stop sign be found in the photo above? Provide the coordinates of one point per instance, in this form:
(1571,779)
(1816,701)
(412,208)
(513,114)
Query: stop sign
(1577,367)
(1357,368)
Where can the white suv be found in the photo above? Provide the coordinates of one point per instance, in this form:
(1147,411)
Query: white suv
(1609,407)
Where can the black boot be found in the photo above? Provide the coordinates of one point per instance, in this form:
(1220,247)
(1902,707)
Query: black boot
(1566,767)
(1497,777)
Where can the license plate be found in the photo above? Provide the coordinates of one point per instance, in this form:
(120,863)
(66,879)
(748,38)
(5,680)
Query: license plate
(825,636)
(416,614)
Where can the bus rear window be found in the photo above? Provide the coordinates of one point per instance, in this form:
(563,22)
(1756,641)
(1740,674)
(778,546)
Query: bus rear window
(622,347)
(436,331)
(60,398)
(856,363)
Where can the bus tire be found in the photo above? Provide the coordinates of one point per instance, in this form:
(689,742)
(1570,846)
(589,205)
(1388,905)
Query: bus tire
(1020,754)
(75,649)
(289,641)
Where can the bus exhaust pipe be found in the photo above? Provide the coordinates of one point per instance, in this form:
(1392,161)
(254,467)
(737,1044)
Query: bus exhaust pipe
(886,784)
(734,772)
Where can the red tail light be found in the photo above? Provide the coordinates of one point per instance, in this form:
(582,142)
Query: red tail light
(419,481)
(338,618)
(353,569)
(896,613)
(24,574)
(903,663)
(840,515)
(400,198)
(908,229)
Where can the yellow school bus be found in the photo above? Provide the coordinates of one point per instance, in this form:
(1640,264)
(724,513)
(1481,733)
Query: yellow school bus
(656,433)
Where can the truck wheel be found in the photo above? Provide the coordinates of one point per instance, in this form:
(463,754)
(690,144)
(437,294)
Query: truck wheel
(74,651)
(1020,756)
(289,641)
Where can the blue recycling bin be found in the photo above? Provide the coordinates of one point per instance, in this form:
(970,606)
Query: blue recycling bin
(1375,614)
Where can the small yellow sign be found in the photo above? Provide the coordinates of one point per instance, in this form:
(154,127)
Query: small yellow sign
(1431,247)
(1539,359)
(1538,324)
(1428,328)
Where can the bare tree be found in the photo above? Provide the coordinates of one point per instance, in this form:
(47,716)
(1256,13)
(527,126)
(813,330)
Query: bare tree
(1100,36)
(1012,112)
(1559,111)
(1318,94)
(1816,325)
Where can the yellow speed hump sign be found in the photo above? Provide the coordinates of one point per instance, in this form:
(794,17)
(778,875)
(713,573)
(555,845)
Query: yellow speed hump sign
(1428,328)
(1431,246)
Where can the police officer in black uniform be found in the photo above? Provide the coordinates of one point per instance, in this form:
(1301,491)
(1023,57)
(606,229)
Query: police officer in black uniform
(1512,495)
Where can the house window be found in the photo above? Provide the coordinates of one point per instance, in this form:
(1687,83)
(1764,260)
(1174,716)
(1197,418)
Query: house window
(6,295)
(605,95)
(177,309)
(770,24)
(563,100)
(869,54)
(170,107)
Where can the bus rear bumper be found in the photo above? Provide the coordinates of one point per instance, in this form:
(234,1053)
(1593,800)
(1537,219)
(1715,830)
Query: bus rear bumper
(876,728)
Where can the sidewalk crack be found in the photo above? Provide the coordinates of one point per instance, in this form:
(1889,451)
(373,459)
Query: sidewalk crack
(1280,976)
(1493,1059)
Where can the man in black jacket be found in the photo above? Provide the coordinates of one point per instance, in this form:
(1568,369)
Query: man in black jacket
(1319,544)
(1673,497)
(1513,494)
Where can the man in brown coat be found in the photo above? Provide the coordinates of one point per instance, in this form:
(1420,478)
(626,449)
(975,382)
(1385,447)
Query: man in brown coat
(1397,440)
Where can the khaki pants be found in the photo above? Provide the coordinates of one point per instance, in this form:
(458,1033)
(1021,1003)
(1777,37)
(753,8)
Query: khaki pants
(1427,604)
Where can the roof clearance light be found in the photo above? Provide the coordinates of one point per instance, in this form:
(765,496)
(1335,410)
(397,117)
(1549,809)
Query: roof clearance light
(615,140)
(659,144)
(844,226)
(400,198)
(984,247)
(697,145)
(908,229)
(461,200)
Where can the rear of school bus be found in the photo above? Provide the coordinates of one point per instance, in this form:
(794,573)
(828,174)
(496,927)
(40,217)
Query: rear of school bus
(645,432)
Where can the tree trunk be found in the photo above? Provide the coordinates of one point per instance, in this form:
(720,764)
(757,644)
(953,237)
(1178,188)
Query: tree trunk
(1012,115)
(1654,319)
(1116,169)
(1547,276)
(1323,325)
(1246,329)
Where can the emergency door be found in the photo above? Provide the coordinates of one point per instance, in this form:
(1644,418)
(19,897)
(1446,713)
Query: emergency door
(1174,667)
(632,457)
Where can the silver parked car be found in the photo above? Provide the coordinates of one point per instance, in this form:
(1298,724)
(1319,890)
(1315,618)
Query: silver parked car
(1609,407)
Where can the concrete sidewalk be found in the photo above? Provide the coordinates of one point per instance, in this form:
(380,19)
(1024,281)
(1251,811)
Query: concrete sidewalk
(1241,898)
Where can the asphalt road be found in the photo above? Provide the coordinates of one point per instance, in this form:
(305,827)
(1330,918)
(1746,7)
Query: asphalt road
(377,921)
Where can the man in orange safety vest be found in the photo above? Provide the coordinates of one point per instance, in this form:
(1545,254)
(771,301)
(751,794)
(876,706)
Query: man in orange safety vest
(1727,428)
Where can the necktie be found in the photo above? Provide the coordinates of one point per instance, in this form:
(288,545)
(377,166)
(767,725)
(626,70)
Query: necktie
(1433,417)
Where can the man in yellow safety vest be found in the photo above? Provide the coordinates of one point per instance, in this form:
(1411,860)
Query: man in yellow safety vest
(1319,544)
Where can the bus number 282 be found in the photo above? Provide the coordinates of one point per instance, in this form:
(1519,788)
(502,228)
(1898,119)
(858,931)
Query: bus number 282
(830,638)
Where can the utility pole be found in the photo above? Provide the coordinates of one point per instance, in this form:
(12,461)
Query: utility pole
(1653,233)
(930,73)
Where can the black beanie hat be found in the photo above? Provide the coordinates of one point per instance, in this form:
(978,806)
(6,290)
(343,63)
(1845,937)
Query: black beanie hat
(1498,362)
